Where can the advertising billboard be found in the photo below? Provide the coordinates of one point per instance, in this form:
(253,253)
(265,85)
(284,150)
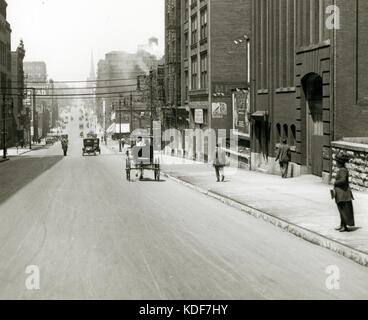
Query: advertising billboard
(241,112)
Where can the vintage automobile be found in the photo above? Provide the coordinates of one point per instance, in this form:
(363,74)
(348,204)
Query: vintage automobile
(50,140)
(90,146)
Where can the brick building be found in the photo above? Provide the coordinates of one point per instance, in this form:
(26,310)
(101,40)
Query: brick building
(212,65)
(172,60)
(308,80)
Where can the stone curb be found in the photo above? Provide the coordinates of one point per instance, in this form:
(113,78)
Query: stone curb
(310,236)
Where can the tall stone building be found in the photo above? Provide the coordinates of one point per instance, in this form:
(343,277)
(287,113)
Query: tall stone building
(36,78)
(172,61)
(117,80)
(6,102)
(20,113)
(309,67)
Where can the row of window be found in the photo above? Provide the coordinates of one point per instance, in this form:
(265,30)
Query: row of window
(203,26)
(283,133)
(203,83)
(5,55)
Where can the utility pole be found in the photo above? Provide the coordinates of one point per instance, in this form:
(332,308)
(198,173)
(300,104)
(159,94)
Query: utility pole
(131,112)
(105,116)
(151,102)
(120,148)
(4,127)
(35,122)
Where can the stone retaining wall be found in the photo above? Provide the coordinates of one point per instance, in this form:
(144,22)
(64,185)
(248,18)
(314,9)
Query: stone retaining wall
(358,164)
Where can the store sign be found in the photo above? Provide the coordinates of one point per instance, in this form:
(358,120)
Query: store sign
(241,111)
(27,101)
(219,110)
(42,91)
(198,116)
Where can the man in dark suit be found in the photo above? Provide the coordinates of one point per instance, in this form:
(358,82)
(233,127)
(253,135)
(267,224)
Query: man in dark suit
(284,155)
(343,195)
(219,162)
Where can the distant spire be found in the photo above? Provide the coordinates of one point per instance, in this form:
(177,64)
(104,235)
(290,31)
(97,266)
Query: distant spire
(92,74)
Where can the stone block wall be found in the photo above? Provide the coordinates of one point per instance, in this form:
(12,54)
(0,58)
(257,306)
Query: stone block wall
(357,166)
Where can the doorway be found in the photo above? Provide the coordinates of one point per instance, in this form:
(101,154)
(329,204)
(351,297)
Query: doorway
(313,92)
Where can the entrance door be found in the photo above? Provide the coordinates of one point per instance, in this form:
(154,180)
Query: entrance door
(314,123)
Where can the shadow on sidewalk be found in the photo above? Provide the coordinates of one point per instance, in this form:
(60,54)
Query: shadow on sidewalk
(19,172)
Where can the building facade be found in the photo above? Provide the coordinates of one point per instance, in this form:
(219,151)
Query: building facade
(5,79)
(20,113)
(212,64)
(172,61)
(117,82)
(308,62)
(36,81)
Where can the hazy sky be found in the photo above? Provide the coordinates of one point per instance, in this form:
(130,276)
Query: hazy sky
(63,32)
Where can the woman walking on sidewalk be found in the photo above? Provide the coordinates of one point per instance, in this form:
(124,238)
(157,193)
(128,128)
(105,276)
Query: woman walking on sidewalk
(343,195)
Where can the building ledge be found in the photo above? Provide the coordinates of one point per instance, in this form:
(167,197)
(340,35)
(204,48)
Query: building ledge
(200,92)
(352,146)
(285,90)
(313,47)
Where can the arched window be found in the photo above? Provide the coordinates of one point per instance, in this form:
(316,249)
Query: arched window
(278,132)
(293,135)
(285,133)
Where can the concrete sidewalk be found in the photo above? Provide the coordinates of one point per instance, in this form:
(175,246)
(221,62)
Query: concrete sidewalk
(13,152)
(302,206)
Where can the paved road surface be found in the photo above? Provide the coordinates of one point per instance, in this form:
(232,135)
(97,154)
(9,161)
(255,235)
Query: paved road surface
(96,236)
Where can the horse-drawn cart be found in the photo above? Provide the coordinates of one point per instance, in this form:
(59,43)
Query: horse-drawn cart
(139,158)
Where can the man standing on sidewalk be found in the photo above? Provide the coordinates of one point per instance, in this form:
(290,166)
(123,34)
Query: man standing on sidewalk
(219,163)
(284,156)
(343,195)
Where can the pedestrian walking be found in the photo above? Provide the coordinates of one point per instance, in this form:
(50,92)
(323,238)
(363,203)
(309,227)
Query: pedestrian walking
(64,146)
(123,142)
(219,163)
(284,156)
(343,195)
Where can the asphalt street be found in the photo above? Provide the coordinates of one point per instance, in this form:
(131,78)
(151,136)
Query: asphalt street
(94,235)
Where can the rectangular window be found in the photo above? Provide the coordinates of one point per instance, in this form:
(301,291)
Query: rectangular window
(204,71)
(194,26)
(186,45)
(194,71)
(186,10)
(186,76)
(204,24)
